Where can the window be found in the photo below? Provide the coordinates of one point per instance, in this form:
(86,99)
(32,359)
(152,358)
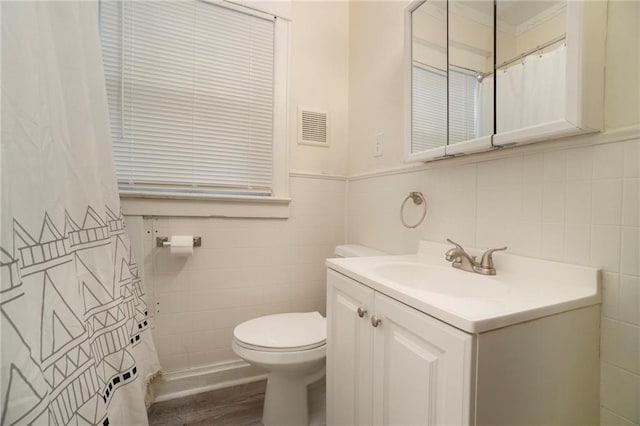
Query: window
(463,104)
(430,107)
(433,127)
(197,97)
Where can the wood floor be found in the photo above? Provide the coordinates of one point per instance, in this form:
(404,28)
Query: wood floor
(235,406)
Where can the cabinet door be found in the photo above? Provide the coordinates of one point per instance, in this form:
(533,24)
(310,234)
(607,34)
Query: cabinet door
(422,368)
(349,351)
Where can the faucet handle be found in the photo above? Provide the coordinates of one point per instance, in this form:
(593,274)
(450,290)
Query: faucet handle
(487,258)
(455,244)
(451,254)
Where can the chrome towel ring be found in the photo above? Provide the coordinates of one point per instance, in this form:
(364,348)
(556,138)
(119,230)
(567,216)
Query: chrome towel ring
(418,199)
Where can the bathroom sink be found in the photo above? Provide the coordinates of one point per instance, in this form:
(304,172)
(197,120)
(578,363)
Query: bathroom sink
(523,288)
(443,280)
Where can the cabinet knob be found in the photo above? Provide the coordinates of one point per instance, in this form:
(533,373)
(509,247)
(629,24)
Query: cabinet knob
(375,321)
(361,311)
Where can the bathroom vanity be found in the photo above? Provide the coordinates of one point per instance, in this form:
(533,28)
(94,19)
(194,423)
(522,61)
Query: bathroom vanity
(411,340)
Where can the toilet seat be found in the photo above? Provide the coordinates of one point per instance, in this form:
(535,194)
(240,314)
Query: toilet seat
(269,349)
(269,359)
(290,332)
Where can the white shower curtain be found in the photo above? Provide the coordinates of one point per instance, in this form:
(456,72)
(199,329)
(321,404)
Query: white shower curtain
(532,91)
(76,345)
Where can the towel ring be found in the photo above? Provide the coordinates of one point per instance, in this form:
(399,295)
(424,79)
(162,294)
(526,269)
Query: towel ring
(418,199)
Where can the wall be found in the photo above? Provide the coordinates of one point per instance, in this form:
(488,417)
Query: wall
(472,42)
(252,267)
(429,35)
(245,268)
(319,79)
(511,44)
(549,29)
(574,200)
(471,38)
(376,40)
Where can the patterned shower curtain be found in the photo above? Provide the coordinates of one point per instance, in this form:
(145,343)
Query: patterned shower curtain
(76,346)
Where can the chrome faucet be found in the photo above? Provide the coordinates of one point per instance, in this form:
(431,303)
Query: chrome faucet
(460,257)
(462,260)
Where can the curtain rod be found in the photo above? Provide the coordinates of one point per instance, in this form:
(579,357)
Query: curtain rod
(476,72)
(534,50)
(510,61)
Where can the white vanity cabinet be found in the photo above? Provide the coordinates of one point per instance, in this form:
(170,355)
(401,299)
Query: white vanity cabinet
(414,369)
(421,368)
(410,369)
(349,351)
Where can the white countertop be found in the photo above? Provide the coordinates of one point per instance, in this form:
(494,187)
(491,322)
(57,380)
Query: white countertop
(523,288)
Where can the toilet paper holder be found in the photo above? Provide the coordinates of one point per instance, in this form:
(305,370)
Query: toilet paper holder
(164,242)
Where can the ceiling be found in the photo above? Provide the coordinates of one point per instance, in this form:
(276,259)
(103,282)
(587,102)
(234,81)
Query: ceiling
(518,12)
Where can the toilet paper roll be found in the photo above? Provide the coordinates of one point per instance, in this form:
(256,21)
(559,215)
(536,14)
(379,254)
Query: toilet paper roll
(181,245)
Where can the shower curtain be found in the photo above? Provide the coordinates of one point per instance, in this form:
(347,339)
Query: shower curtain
(531,91)
(76,346)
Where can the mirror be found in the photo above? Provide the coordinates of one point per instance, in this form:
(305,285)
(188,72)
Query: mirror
(428,77)
(531,63)
(451,91)
(483,74)
(470,70)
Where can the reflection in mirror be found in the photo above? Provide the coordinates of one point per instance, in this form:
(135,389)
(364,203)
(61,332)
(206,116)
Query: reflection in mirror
(530,63)
(470,69)
(429,76)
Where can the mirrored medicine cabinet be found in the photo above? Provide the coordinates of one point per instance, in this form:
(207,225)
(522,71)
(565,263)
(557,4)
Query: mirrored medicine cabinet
(485,74)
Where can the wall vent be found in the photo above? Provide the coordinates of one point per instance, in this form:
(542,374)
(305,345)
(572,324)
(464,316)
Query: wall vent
(313,127)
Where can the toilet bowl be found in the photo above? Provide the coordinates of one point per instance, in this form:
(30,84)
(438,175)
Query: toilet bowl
(292,348)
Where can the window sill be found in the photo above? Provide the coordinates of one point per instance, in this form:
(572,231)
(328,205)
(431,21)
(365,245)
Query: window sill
(204,205)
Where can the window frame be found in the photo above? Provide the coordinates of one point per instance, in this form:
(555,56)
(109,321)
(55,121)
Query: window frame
(276,205)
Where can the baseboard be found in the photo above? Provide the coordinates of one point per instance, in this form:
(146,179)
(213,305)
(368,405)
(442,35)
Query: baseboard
(183,383)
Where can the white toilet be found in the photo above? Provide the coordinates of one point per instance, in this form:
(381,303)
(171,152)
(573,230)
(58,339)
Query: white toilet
(292,348)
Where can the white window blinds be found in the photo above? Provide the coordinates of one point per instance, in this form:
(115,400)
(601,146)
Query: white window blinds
(463,98)
(429,104)
(190,88)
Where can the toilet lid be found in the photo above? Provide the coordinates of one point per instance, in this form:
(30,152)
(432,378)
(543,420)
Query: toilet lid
(283,331)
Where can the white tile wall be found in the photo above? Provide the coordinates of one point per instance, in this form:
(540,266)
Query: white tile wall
(609,418)
(244,269)
(578,205)
(620,392)
(629,300)
(606,202)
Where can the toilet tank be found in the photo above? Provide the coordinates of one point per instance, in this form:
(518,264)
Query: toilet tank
(355,250)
